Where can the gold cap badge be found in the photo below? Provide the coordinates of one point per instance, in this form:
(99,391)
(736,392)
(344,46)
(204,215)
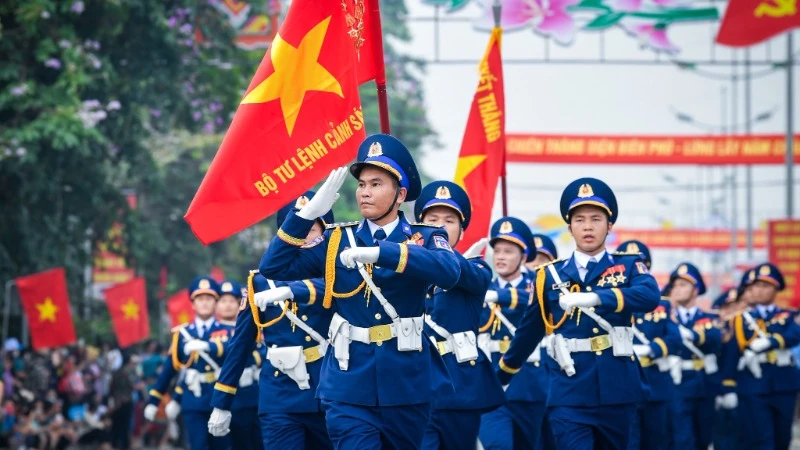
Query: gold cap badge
(443,192)
(375,150)
(537,241)
(204,284)
(764,270)
(506,227)
(752,275)
(683,270)
(301,202)
(227,287)
(585,191)
(633,247)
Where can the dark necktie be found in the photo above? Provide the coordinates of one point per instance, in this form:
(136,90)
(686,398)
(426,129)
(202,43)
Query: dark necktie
(589,268)
(379,235)
(202,330)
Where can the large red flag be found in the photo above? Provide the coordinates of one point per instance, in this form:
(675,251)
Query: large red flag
(748,22)
(300,118)
(180,308)
(481,160)
(46,304)
(127,306)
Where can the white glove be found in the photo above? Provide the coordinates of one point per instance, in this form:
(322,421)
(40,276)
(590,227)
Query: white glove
(364,255)
(476,248)
(686,334)
(172,410)
(491,297)
(150,412)
(196,345)
(642,350)
(760,344)
(325,197)
(265,298)
(219,424)
(578,300)
(727,401)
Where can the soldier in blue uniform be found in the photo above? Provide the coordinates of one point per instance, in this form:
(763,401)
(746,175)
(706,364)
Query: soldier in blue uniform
(378,383)
(656,336)
(293,346)
(759,367)
(520,422)
(701,342)
(452,322)
(586,304)
(198,349)
(246,433)
(545,252)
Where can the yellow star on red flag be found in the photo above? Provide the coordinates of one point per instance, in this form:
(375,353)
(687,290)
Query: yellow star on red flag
(130,310)
(47,310)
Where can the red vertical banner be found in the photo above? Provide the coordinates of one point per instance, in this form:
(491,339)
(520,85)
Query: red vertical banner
(783,241)
(481,159)
(46,304)
(180,308)
(127,306)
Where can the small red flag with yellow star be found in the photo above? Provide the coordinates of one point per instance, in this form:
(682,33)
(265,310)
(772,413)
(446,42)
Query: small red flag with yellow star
(482,156)
(127,306)
(300,118)
(180,308)
(46,303)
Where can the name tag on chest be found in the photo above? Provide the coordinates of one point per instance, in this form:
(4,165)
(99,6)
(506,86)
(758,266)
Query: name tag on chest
(562,285)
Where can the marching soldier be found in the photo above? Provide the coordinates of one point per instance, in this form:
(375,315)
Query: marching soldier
(655,338)
(452,321)
(246,433)
(199,350)
(289,414)
(546,252)
(587,303)
(764,378)
(378,383)
(701,342)
(520,422)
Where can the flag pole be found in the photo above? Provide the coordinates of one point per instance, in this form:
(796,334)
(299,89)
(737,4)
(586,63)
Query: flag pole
(497,8)
(789,127)
(7,308)
(380,66)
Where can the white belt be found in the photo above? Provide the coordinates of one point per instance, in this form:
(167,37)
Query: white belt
(781,358)
(692,364)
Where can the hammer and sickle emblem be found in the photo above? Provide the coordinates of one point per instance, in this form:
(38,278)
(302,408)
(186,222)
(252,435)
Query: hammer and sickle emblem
(776,8)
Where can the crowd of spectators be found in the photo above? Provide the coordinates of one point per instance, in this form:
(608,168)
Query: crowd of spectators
(79,397)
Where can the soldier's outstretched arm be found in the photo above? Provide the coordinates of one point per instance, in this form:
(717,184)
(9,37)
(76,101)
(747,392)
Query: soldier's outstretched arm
(529,333)
(671,338)
(435,263)
(308,292)
(475,275)
(287,257)
(641,295)
(708,339)
(788,337)
(512,298)
(240,347)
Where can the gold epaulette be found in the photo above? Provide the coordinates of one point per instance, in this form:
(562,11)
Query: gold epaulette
(665,298)
(177,329)
(626,254)
(549,263)
(342,224)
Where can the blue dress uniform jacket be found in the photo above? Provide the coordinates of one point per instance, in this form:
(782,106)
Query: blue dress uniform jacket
(766,405)
(411,258)
(457,310)
(658,327)
(600,379)
(651,425)
(190,402)
(708,338)
(277,393)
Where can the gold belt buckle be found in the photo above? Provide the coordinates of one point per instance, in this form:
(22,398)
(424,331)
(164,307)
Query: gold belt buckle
(504,345)
(600,343)
(441,346)
(772,357)
(698,364)
(645,361)
(312,354)
(380,333)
